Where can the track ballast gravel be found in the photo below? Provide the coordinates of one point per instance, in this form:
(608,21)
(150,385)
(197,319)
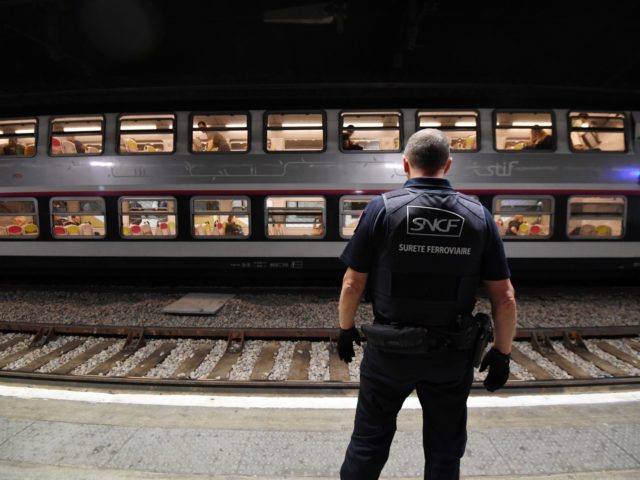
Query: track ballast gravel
(538,307)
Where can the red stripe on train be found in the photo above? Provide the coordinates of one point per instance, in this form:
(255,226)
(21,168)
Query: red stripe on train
(103,193)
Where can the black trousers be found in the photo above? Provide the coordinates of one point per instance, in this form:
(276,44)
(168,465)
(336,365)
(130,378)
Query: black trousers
(442,380)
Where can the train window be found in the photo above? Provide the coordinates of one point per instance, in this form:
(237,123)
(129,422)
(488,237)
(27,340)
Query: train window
(295,132)
(220,133)
(351,208)
(295,217)
(77,136)
(18,137)
(19,218)
(144,217)
(460,127)
(78,217)
(597,132)
(221,217)
(370,131)
(516,131)
(596,217)
(523,216)
(140,134)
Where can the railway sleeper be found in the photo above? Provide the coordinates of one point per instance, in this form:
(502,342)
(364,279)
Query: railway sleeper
(299,369)
(10,343)
(156,358)
(529,364)
(634,344)
(44,359)
(192,363)
(618,353)
(577,346)
(542,344)
(78,360)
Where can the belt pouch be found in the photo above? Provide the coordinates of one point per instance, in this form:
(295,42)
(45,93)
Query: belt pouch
(397,339)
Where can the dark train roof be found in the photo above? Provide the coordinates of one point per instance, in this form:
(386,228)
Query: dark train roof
(77,55)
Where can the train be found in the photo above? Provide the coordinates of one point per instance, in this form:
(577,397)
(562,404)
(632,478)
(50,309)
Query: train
(220,195)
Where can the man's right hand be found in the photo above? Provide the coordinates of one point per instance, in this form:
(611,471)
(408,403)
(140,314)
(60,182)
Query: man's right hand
(345,343)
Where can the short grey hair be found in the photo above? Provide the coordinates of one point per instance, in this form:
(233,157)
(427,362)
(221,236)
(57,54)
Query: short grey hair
(427,150)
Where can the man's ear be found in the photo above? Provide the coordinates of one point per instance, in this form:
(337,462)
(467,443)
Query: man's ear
(447,165)
(405,164)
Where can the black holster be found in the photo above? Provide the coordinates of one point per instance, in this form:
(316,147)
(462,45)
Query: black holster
(482,338)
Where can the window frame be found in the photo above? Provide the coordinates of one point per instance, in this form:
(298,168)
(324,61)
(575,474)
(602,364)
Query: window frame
(77,237)
(624,130)
(341,211)
(103,121)
(147,237)
(220,237)
(174,131)
(554,131)
(295,237)
(35,135)
(36,215)
(372,112)
(478,127)
(594,237)
(265,129)
(552,214)
(247,113)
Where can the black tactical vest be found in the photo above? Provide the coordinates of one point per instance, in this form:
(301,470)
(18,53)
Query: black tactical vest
(428,269)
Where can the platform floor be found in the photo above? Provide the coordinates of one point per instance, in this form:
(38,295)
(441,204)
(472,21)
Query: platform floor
(190,437)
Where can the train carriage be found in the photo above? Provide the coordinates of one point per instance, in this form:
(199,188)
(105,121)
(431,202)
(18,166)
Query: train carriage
(277,193)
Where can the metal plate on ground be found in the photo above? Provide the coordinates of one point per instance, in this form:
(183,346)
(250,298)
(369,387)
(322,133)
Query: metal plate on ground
(198,304)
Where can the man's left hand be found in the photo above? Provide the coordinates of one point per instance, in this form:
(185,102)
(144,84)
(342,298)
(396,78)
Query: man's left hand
(498,364)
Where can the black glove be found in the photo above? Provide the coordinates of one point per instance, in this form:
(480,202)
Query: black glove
(345,343)
(498,364)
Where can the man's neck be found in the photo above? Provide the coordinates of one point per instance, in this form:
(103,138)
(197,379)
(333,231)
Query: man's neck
(413,175)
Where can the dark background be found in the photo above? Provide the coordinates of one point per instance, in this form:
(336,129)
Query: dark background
(74,56)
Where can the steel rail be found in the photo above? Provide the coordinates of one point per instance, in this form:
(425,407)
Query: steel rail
(277,333)
(292,384)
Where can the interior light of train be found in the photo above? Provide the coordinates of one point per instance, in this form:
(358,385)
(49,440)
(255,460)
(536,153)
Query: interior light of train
(95,163)
(529,123)
(82,129)
(26,130)
(235,125)
(140,127)
(585,125)
(369,124)
(465,124)
(294,125)
(431,124)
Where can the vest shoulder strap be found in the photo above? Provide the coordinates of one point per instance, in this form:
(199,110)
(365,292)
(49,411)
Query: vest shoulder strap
(397,199)
(472,205)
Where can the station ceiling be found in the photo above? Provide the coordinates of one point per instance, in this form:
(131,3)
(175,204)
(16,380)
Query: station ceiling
(72,53)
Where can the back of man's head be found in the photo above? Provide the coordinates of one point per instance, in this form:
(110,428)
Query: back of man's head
(427,150)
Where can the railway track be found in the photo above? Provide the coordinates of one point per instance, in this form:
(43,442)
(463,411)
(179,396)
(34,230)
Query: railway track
(288,358)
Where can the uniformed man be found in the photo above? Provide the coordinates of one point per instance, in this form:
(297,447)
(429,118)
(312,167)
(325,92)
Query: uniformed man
(422,251)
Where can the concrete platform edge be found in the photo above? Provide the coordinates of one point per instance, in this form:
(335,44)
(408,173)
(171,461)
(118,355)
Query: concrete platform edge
(33,471)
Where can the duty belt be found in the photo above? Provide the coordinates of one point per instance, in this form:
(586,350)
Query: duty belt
(469,333)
